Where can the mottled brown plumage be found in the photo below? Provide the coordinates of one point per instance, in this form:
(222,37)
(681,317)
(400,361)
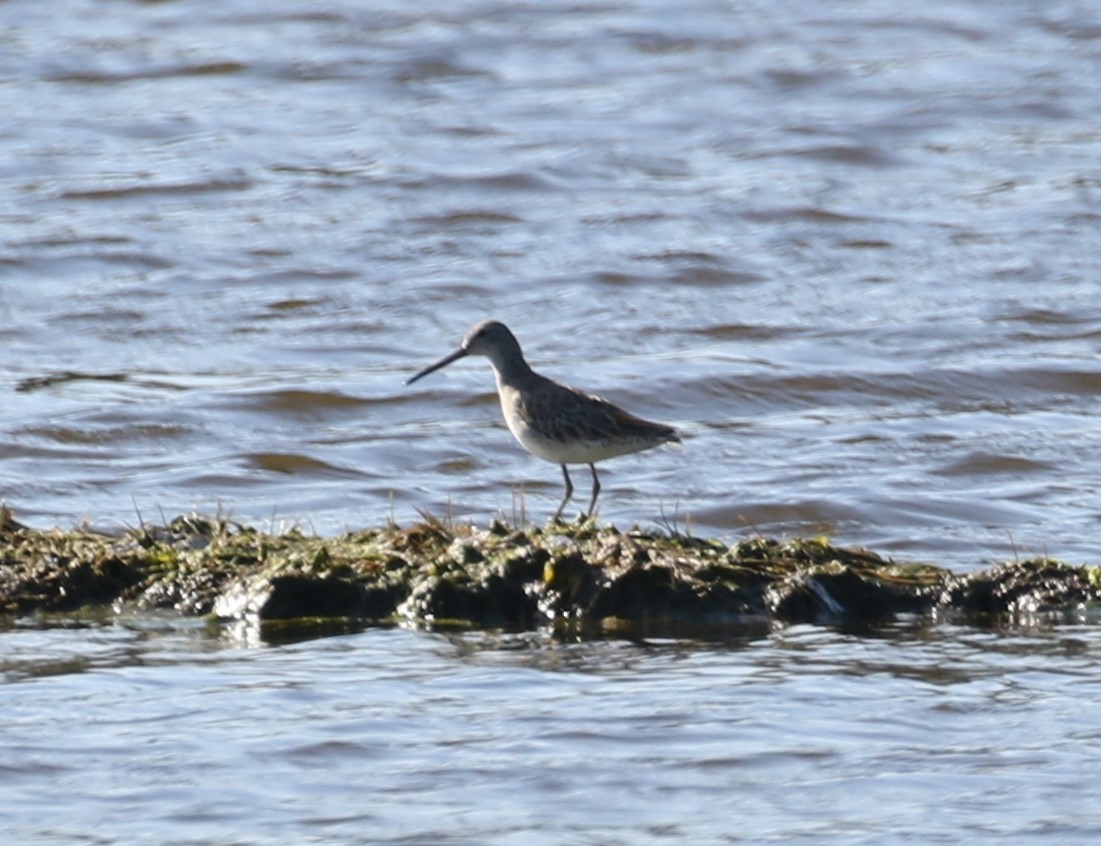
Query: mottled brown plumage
(553,421)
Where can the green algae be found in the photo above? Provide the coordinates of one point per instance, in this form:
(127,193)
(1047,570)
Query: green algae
(580,575)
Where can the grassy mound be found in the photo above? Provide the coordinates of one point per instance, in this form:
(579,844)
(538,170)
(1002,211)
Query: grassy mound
(434,573)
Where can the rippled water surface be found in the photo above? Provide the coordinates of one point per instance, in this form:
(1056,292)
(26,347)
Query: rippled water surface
(852,253)
(147,734)
(850,250)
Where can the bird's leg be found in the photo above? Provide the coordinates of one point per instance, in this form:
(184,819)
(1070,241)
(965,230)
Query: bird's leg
(566,496)
(596,490)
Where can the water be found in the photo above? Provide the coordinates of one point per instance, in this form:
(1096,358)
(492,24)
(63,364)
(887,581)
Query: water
(146,733)
(851,252)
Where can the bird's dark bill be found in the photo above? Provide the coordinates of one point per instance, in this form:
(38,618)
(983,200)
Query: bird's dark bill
(443,362)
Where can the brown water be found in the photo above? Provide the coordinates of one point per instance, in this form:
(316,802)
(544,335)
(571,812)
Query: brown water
(853,253)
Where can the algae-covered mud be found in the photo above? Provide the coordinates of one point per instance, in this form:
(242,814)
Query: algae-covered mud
(437,573)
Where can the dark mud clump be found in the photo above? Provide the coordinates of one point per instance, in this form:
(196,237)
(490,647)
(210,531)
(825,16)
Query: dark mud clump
(506,577)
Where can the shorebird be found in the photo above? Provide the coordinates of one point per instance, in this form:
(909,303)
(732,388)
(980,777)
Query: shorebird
(552,421)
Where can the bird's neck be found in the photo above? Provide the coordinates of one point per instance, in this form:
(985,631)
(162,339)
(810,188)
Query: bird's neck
(510,369)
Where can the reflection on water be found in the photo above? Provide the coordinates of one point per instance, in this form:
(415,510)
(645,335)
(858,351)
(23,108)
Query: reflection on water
(151,732)
(852,256)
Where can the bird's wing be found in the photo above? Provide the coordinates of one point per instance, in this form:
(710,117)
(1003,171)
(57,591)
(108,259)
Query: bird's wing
(575,415)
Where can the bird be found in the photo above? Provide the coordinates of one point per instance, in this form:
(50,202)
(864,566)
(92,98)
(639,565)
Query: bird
(553,421)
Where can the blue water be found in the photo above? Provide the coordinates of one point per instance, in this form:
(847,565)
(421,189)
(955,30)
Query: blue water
(850,250)
(150,733)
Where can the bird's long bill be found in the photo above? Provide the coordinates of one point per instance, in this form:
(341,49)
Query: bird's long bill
(443,362)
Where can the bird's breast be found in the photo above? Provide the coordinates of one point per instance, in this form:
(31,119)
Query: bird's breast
(519,421)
